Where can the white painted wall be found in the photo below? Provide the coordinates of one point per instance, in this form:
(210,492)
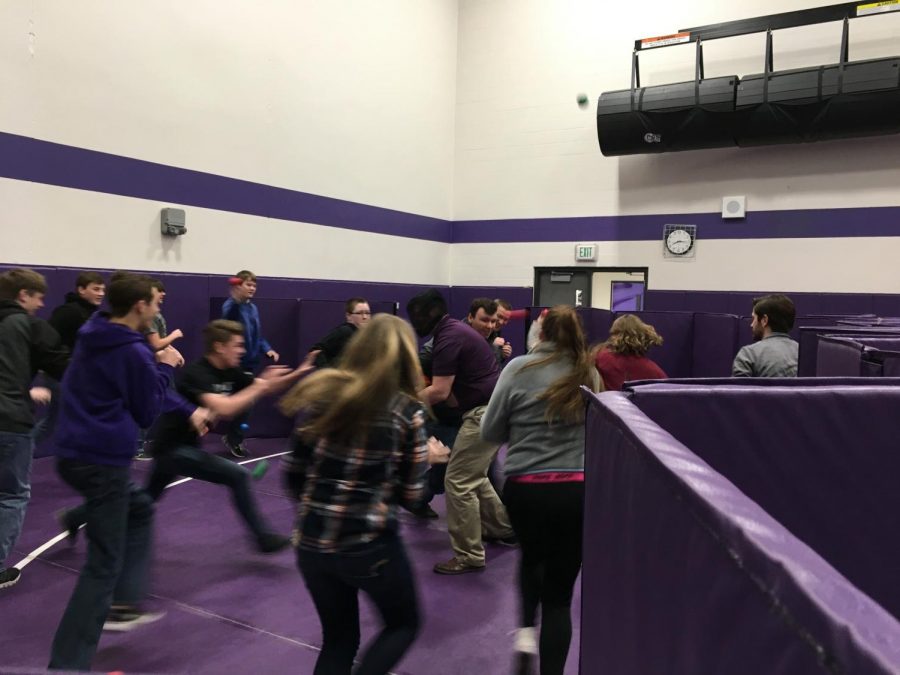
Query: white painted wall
(350,99)
(526,150)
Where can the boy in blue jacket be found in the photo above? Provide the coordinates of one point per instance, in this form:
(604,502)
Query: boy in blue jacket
(114,385)
(240,308)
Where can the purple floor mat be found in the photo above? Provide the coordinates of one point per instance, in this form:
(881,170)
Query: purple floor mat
(231,609)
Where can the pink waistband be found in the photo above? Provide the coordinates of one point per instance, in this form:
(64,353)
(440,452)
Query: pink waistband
(550,477)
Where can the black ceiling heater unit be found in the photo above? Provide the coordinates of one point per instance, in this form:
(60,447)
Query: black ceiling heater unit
(840,100)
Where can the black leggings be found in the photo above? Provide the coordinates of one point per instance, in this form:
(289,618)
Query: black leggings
(547,518)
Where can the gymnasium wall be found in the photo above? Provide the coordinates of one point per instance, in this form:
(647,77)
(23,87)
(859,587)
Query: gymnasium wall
(304,139)
(530,180)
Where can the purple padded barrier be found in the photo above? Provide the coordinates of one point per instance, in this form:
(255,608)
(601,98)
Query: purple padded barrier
(715,344)
(883,362)
(821,460)
(838,357)
(763,382)
(889,343)
(675,356)
(683,574)
(596,323)
(809,342)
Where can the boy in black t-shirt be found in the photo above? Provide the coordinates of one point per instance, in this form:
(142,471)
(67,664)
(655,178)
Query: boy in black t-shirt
(218,383)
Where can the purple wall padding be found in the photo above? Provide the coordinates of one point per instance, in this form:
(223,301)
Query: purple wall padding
(665,385)
(683,574)
(838,357)
(809,342)
(821,460)
(596,323)
(715,344)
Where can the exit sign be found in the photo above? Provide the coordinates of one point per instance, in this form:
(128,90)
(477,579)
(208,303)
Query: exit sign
(585,252)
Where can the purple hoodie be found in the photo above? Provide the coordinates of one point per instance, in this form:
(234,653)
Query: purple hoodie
(113,386)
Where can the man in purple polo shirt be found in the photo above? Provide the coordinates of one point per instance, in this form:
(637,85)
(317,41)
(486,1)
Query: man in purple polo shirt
(464,372)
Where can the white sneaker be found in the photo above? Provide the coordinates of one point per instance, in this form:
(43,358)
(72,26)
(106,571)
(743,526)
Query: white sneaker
(123,620)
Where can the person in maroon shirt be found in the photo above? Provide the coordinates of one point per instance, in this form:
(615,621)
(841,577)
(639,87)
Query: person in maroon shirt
(623,357)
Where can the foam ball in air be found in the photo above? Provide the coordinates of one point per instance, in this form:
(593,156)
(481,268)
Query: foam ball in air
(582,100)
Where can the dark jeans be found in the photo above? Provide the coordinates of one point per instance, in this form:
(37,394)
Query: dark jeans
(382,571)
(194,463)
(547,519)
(186,460)
(16,452)
(119,519)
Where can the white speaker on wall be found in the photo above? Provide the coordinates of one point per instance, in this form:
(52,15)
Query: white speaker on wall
(734,207)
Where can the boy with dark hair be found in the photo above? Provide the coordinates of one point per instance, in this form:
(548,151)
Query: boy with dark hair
(240,308)
(27,344)
(95,443)
(90,290)
(501,346)
(773,353)
(356,315)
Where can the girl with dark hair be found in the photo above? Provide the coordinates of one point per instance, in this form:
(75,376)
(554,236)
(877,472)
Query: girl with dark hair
(538,410)
(623,356)
(361,452)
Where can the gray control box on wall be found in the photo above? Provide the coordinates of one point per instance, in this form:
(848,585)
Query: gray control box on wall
(172,222)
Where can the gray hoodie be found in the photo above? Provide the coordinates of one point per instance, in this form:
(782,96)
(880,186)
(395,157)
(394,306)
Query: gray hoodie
(516,415)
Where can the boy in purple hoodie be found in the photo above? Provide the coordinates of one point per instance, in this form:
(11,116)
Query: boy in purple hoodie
(115,384)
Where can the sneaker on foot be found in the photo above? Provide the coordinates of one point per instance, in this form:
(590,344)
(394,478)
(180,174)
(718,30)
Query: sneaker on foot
(272,543)
(512,541)
(236,449)
(143,456)
(62,517)
(425,512)
(9,577)
(125,619)
(457,566)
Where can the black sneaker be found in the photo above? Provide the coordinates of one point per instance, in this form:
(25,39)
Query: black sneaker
(512,541)
(272,543)
(236,449)
(123,620)
(9,577)
(62,517)
(424,512)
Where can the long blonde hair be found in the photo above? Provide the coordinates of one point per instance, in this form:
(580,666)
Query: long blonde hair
(631,336)
(562,327)
(379,362)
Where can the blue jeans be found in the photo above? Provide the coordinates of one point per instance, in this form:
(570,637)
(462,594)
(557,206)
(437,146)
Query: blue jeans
(382,571)
(16,451)
(119,531)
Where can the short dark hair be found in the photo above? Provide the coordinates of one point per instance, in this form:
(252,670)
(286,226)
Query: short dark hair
(87,278)
(505,304)
(21,279)
(126,291)
(118,275)
(489,306)
(159,285)
(780,310)
(425,310)
(220,331)
(246,275)
(351,304)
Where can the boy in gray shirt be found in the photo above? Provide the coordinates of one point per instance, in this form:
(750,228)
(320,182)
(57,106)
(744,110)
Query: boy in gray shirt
(774,353)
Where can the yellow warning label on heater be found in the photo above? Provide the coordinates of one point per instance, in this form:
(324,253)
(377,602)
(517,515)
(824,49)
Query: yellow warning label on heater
(878,7)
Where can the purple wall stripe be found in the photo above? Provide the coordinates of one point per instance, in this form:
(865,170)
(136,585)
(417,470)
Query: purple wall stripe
(805,223)
(38,161)
(29,159)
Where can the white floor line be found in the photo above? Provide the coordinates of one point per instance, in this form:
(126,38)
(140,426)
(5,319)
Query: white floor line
(31,557)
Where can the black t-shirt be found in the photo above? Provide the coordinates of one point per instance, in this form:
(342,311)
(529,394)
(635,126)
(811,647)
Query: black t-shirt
(200,377)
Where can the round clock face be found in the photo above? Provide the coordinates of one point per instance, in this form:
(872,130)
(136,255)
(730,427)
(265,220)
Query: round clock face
(679,242)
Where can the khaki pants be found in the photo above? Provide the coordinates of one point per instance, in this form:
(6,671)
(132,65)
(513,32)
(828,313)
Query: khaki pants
(473,506)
